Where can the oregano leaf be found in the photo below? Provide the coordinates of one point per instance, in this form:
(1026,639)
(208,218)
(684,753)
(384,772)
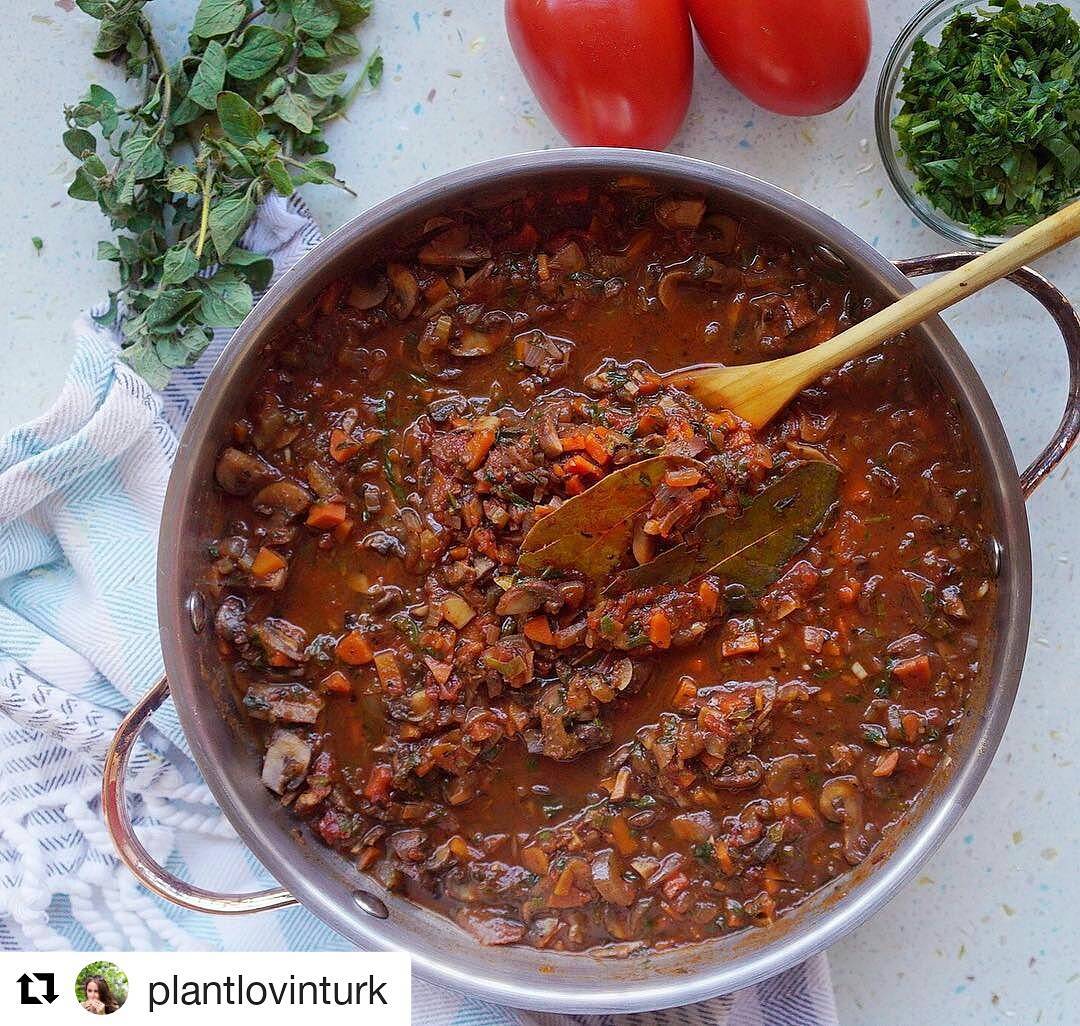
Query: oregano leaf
(228,219)
(241,122)
(209,78)
(226,299)
(261,50)
(219,17)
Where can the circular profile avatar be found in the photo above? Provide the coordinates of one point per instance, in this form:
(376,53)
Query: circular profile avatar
(101,987)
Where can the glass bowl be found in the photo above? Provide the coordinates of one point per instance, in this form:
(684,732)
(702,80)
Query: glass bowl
(928,25)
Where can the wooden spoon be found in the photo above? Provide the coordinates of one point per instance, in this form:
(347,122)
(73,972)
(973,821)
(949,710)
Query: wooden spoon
(758,391)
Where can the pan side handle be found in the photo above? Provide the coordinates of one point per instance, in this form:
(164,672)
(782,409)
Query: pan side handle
(130,848)
(1065,316)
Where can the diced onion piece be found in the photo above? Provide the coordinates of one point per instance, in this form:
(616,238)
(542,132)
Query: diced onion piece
(456,610)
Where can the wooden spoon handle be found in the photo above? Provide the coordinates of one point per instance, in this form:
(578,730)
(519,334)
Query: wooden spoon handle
(915,307)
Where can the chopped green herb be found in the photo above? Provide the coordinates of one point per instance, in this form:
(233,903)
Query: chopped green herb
(37,243)
(990,122)
(874,734)
(704,851)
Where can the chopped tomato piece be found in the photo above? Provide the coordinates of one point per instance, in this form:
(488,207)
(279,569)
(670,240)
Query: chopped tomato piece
(389,672)
(377,788)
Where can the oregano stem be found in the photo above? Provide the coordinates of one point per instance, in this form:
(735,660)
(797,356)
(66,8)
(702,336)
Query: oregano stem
(204,218)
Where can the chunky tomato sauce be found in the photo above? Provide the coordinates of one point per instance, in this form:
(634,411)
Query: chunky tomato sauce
(544,755)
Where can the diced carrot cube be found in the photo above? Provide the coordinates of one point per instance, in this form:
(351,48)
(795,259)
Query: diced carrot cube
(914,671)
(478,446)
(582,465)
(267,562)
(620,834)
(597,450)
(535,859)
(660,629)
(708,597)
(336,683)
(436,290)
(539,630)
(682,477)
(325,516)
(354,649)
(342,531)
(343,446)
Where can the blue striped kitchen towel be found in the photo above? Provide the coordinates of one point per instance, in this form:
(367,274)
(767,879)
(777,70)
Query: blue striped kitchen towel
(80,497)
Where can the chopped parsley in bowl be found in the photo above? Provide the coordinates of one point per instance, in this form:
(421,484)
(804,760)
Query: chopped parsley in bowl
(983,102)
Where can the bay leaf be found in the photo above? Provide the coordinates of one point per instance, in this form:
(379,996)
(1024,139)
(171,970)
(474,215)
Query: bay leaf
(592,531)
(753,548)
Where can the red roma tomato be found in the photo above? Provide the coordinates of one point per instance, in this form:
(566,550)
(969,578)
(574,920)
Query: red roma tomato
(607,72)
(790,56)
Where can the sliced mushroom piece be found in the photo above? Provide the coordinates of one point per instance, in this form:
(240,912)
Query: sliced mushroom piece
(286,762)
(491,928)
(281,640)
(782,771)
(548,354)
(239,472)
(644,545)
(230,623)
(286,497)
(452,248)
(607,877)
(527,598)
(680,214)
(841,802)
(705,271)
(406,291)
(742,771)
(283,703)
(367,295)
(479,343)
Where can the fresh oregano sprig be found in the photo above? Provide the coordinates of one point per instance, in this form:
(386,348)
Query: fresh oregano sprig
(180,173)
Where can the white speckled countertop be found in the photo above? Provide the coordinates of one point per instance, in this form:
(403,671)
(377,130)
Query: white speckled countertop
(989,931)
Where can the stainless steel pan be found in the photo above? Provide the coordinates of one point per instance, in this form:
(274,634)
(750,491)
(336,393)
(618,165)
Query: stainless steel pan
(328,885)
